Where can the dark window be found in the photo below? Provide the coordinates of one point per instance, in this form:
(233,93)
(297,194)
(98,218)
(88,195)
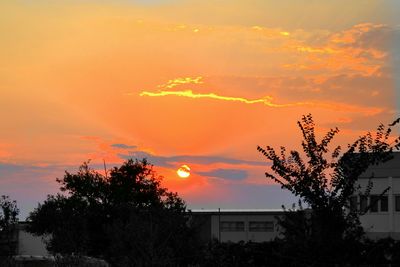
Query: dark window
(232,226)
(397,203)
(363,203)
(261,226)
(384,203)
(353,203)
(374,203)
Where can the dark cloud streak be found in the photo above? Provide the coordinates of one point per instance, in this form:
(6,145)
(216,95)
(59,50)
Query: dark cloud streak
(229,174)
(123,146)
(168,161)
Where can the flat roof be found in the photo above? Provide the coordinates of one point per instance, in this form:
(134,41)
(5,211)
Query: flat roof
(237,211)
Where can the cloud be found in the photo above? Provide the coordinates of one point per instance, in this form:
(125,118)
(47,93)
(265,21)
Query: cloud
(190,94)
(342,89)
(123,146)
(267,101)
(179,81)
(6,168)
(365,35)
(362,49)
(170,161)
(229,174)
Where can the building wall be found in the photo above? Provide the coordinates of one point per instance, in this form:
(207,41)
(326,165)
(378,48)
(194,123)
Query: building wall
(383,176)
(247,234)
(245,218)
(377,224)
(29,244)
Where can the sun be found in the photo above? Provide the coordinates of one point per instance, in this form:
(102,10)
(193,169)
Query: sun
(183,171)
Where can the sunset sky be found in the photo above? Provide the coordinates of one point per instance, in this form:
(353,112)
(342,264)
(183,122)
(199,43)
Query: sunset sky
(192,82)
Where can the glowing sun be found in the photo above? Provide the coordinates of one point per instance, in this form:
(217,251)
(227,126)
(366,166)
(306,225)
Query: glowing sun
(183,171)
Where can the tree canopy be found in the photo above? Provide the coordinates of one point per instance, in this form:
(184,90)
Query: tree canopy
(324,178)
(125,216)
(8,223)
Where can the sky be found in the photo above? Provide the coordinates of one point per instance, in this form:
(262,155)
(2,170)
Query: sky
(187,82)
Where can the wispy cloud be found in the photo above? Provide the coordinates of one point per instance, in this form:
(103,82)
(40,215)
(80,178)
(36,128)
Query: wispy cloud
(360,50)
(191,94)
(230,174)
(171,161)
(123,146)
(267,101)
(179,81)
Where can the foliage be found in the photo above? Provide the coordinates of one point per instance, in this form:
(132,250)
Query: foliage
(81,261)
(270,254)
(125,216)
(325,180)
(240,254)
(8,224)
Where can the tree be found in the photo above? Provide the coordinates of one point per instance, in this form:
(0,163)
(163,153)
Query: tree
(325,180)
(8,224)
(125,216)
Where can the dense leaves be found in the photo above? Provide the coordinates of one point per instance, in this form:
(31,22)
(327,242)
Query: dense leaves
(125,216)
(385,252)
(325,179)
(8,224)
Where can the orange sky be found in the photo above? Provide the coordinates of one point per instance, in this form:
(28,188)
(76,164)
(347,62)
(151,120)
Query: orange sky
(200,83)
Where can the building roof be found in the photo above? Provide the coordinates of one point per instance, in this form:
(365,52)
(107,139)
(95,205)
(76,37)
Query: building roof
(238,211)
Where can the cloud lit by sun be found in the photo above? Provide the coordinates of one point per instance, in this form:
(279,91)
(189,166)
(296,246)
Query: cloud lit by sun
(267,100)
(180,81)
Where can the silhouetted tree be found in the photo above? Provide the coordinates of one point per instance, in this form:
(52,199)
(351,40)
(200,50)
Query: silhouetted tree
(8,226)
(126,217)
(325,180)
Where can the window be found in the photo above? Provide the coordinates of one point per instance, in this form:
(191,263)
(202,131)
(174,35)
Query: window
(261,226)
(363,203)
(353,203)
(397,203)
(384,203)
(374,203)
(232,226)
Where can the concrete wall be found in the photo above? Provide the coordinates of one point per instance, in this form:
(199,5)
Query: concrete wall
(29,244)
(383,223)
(213,230)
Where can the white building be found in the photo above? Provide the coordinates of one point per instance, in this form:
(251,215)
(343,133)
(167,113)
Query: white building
(29,244)
(382,220)
(238,225)
(383,217)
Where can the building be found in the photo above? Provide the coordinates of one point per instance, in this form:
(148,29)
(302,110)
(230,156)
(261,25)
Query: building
(29,244)
(238,225)
(383,217)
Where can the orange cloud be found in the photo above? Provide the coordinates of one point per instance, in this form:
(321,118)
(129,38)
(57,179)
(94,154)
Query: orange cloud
(324,50)
(360,49)
(357,32)
(267,100)
(179,81)
(191,94)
